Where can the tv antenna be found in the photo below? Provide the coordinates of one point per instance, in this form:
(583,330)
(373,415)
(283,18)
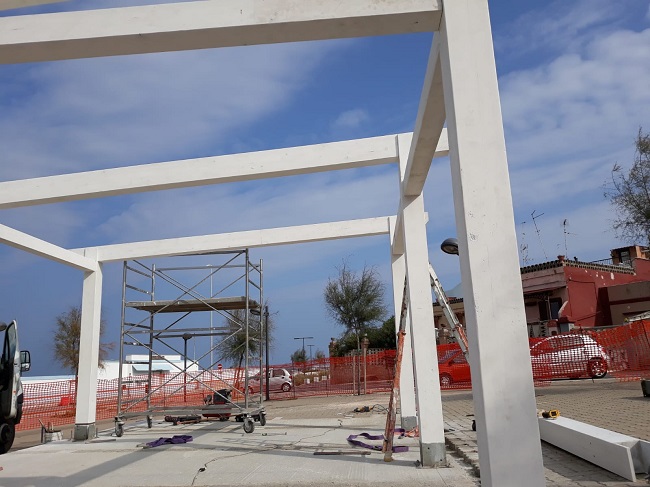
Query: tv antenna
(565,224)
(523,248)
(539,236)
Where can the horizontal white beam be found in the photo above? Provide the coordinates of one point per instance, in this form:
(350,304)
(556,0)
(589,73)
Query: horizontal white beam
(195,172)
(248,239)
(36,246)
(206,24)
(14,4)
(427,136)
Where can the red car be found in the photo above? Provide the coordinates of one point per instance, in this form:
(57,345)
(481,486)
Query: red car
(453,368)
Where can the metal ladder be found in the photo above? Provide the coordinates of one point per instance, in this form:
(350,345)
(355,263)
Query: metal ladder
(459,333)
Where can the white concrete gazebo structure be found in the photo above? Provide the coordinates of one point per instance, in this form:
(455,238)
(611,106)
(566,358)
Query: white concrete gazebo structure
(460,90)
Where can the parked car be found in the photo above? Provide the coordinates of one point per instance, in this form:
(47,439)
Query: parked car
(568,356)
(453,367)
(279,380)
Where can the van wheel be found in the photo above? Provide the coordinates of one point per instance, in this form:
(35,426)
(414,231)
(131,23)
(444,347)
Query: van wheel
(7,435)
(597,368)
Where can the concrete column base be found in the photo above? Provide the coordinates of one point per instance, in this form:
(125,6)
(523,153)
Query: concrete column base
(409,422)
(433,455)
(84,432)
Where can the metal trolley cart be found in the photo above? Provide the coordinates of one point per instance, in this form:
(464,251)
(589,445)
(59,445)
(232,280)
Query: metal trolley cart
(161,313)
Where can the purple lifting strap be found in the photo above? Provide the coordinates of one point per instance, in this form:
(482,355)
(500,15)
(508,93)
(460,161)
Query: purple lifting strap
(176,439)
(396,449)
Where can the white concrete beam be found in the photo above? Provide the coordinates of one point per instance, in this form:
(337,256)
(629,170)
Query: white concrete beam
(423,338)
(442,150)
(249,239)
(91,305)
(408,409)
(196,172)
(502,383)
(15,4)
(36,246)
(206,24)
(428,134)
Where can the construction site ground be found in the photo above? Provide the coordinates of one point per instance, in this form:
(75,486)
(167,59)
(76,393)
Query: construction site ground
(283,451)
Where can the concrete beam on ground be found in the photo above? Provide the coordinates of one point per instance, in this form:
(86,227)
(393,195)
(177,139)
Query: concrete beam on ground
(238,240)
(36,246)
(16,4)
(205,24)
(428,137)
(231,168)
(502,383)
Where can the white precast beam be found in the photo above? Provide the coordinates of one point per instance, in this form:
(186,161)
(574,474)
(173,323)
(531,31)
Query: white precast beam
(427,136)
(248,239)
(91,305)
(441,150)
(423,338)
(14,4)
(195,172)
(206,24)
(36,246)
(502,383)
(408,410)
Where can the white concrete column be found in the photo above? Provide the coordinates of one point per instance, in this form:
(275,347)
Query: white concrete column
(88,353)
(423,339)
(504,400)
(408,411)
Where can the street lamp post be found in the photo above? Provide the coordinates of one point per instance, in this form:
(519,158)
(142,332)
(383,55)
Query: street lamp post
(186,337)
(311,357)
(364,345)
(304,354)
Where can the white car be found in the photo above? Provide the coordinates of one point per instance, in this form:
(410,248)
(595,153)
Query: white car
(568,356)
(279,380)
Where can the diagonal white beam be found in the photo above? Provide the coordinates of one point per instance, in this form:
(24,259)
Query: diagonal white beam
(14,4)
(36,246)
(397,242)
(195,172)
(206,24)
(428,125)
(248,239)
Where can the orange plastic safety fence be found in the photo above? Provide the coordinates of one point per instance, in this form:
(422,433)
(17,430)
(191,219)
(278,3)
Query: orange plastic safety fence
(622,352)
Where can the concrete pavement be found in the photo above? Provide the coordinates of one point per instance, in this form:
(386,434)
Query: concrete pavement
(282,452)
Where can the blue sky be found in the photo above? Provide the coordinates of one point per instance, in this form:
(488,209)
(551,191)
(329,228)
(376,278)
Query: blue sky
(573,79)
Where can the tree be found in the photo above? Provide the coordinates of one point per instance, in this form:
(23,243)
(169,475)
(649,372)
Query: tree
(629,194)
(379,337)
(354,300)
(320,355)
(299,356)
(66,340)
(233,347)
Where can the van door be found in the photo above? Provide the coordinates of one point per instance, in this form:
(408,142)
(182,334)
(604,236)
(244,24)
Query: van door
(9,372)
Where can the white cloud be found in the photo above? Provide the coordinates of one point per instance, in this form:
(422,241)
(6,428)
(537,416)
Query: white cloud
(351,119)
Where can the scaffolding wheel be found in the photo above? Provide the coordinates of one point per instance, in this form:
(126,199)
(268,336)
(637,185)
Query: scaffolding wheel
(119,428)
(262,419)
(249,425)
(149,422)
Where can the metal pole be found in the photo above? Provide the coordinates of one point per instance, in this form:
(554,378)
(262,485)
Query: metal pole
(266,345)
(186,337)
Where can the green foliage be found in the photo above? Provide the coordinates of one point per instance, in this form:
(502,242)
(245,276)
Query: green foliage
(379,337)
(319,354)
(629,194)
(66,340)
(298,356)
(355,301)
(232,349)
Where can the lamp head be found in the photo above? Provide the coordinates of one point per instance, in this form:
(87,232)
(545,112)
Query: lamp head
(450,246)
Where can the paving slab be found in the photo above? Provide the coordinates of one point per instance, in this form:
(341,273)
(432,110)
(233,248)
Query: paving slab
(281,453)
